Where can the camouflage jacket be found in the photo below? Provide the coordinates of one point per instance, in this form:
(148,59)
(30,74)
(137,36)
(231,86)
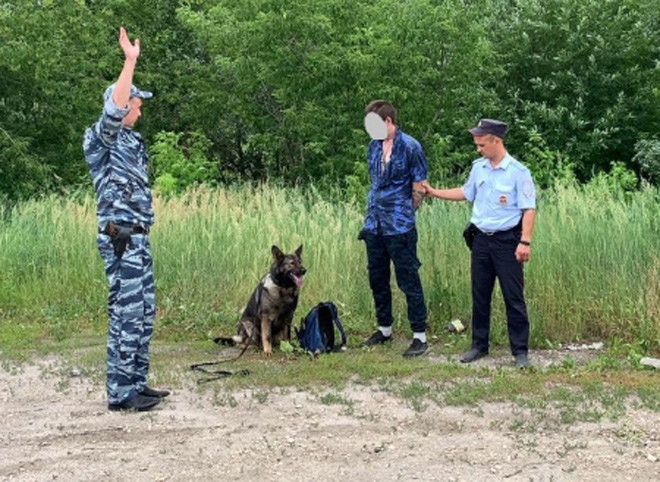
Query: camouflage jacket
(117,160)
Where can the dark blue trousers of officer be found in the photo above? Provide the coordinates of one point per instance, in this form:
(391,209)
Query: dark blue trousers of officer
(400,249)
(493,256)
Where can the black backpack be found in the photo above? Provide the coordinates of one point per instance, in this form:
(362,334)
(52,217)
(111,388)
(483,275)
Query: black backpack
(317,329)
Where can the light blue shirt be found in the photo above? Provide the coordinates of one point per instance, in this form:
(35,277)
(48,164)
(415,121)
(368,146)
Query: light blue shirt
(499,195)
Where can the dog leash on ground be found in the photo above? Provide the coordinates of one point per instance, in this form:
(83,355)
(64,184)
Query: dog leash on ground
(217,374)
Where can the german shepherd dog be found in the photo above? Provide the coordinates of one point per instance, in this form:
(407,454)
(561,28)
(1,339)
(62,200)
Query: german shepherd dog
(268,315)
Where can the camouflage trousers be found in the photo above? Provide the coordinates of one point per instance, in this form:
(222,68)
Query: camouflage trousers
(131,310)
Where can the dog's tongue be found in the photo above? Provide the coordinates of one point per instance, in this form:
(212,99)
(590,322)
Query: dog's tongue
(298,280)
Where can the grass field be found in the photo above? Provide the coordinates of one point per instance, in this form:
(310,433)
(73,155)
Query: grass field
(594,273)
(594,276)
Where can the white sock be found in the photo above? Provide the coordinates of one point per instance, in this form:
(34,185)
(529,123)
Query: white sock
(420,336)
(385,330)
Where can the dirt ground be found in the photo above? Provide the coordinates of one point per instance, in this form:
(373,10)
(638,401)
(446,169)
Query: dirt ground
(56,427)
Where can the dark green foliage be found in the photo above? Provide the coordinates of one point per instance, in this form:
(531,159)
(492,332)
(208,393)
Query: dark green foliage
(51,60)
(582,74)
(291,79)
(647,157)
(278,88)
(21,174)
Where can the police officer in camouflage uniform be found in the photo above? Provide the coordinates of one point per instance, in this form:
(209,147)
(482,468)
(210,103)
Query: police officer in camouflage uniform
(397,167)
(117,159)
(503,213)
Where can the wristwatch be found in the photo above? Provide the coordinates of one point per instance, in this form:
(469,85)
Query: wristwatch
(525,243)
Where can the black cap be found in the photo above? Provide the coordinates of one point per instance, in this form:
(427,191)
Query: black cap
(489,126)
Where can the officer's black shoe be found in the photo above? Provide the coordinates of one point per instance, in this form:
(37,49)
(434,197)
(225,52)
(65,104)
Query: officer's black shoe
(417,348)
(473,355)
(150,392)
(139,403)
(522,361)
(376,339)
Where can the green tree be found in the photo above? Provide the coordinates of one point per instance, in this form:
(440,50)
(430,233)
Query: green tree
(49,59)
(21,174)
(278,87)
(56,59)
(290,79)
(180,161)
(581,73)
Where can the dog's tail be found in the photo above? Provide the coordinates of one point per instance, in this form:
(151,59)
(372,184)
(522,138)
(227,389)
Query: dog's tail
(229,340)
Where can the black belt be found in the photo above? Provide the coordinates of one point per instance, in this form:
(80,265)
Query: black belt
(110,229)
(495,233)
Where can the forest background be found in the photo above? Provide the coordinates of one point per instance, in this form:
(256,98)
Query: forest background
(275,90)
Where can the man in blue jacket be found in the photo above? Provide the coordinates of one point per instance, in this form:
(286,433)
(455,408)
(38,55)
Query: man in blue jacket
(397,167)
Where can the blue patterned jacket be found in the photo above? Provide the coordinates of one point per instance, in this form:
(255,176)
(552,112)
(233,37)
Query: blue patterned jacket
(117,160)
(389,202)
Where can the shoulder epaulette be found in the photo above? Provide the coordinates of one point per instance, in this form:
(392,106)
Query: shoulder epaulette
(519,165)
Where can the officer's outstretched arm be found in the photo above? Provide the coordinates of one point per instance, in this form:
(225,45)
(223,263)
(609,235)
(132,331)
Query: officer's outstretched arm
(455,194)
(122,92)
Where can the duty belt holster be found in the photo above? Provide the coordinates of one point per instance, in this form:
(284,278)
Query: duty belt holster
(120,236)
(469,233)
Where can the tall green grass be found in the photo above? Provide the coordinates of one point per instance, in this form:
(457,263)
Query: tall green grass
(594,273)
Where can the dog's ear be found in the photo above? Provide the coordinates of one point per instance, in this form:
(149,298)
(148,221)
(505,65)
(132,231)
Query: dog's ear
(278,255)
(299,251)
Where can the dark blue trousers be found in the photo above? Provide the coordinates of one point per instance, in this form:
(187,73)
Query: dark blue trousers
(401,250)
(494,257)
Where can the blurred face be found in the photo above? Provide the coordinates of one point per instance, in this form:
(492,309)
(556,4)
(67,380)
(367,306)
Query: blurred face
(377,128)
(488,146)
(135,112)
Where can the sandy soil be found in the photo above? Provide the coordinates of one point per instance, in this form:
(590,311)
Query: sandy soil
(56,427)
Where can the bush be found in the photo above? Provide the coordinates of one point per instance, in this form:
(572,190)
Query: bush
(180,162)
(647,157)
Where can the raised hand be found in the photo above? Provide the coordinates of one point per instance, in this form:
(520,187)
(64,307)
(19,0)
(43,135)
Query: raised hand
(131,50)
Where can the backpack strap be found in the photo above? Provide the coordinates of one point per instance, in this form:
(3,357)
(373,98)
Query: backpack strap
(337,322)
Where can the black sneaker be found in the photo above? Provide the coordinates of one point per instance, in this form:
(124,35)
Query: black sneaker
(139,403)
(376,339)
(416,348)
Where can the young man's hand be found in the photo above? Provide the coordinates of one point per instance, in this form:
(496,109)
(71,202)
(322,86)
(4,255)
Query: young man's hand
(419,191)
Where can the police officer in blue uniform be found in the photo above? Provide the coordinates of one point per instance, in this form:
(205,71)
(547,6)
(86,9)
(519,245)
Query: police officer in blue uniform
(117,160)
(503,212)
(397,167)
